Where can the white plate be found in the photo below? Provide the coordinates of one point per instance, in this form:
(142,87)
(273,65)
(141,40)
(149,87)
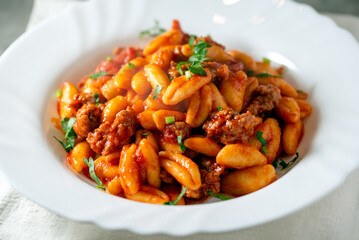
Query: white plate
(321,58)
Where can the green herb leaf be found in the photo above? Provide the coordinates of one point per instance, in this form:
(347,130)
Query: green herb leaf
(145,134)
(179,140)
(156,92)
(191,41)
(97,99)
(97,75)
(58,93)
(109,59)
(170,119)
(153,31)
(250,73)
(218,195)
(266,60)
(299,91)
(130,66)
(91,166)
(219,108)
(283,164)
(178,198)
(70,135)
(263,141)
(179,65)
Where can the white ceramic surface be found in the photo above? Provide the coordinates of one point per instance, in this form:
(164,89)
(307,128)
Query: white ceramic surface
(321,59)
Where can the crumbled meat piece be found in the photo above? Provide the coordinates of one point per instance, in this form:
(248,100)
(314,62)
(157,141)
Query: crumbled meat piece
(227,126)
(235,66)
(173,72)
(110,136)
(172,131)
(87,118)
(210,181)
(218,71)
(266,98)
(82,98)
(211,165)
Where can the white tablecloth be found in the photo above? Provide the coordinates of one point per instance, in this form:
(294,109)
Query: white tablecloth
(334,217)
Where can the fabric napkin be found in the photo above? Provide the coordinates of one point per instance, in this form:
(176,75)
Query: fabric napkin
(336,216)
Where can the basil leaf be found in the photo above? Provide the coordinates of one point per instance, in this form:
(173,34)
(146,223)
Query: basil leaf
(191,41)
(179,65)
(266,60)
(97,99)
(197,71)
(283,164)
(179,140)
(178,198)
(218,195)
(91,166)
(97,75)
(69,139)
(219,108)
(156,92)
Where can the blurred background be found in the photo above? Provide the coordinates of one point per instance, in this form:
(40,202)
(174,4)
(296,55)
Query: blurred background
(15,14)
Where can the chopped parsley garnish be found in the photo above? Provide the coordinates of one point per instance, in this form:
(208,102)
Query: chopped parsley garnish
(219,108)
(251,73)
(156,92)
(91,166)
(194,62)
(109,59)
(179,140)
(299,91)
(130,66)
(70,135)
(178,198)
(266,60)
(97,99)
(97,75)
(170,119)
(145,134)
(153,31)
(283,164)
(58,93)
(218,195)
(263,141)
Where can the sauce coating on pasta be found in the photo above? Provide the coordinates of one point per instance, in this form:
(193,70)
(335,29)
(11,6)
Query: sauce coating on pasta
(181,120)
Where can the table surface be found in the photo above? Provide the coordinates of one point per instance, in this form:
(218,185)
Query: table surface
(334,217)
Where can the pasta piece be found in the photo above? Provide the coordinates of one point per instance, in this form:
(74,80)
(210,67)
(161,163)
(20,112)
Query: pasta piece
(181,88)
(183,169)
(109,90)
(140,84)
(305,108)
(159,117)
(106,166)
(149,194)
(249,63)
(128,169)
(292,134)
(200,107)
(114,186)
(173,192)
(68,93)
(144,134)
(239,156)
(218,101)
(123,78)
(162,58)
(146,120)
(216,53)
(113,106)
(76,156)
(252,84)
(151,163)
(241,182)
(288,110)
(157,77)
(285,88)
(170,146)
(203,145)
(171,37)
(233,90)
(138,107)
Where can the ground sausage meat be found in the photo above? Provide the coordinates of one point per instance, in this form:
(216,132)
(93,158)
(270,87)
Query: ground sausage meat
(172,131)
(110,136)
(266,98)
(87,119)
(228,126)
